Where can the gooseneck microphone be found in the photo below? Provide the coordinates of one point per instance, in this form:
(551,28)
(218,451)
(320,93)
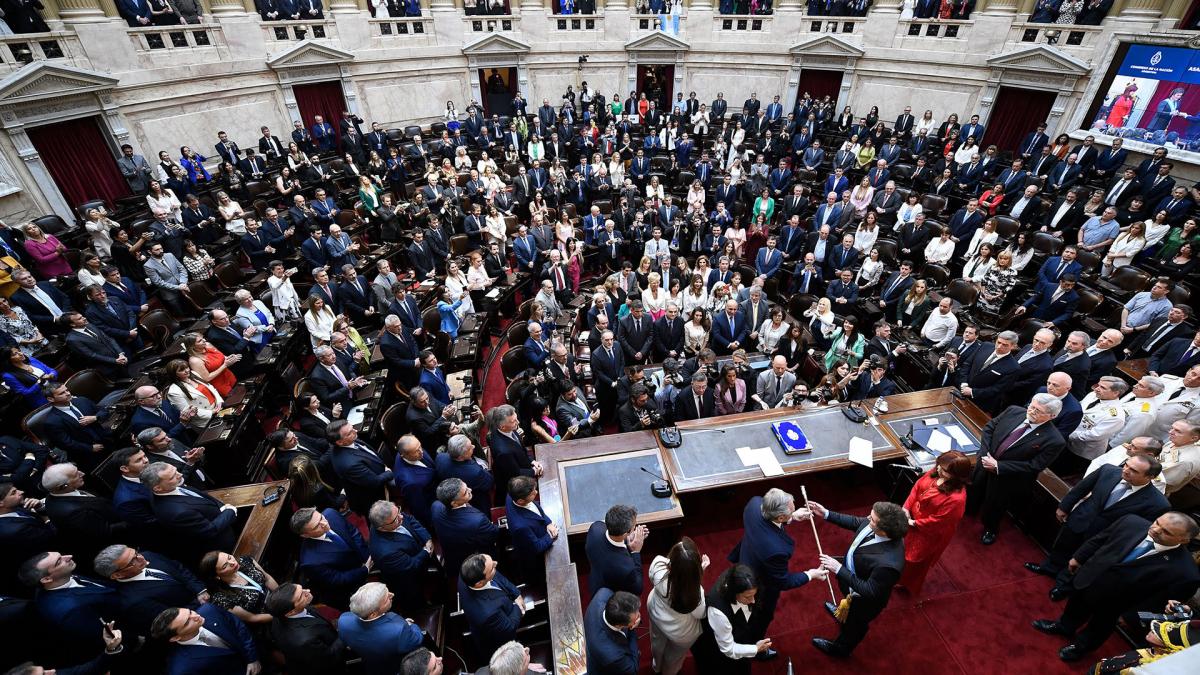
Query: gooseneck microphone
(659,488)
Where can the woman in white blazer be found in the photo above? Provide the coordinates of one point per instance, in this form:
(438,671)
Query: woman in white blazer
(185,391)
(253,313)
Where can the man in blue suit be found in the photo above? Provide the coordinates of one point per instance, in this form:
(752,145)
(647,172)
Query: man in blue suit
(192,523)
(459,461)
(493,606)
(766,548)
(608,365)
(41,300)
(461,528)
(1031,146)
(536,351)
(73,424)
(400,550)
(844,257)
(729,329)
(614,551)
(1034,363)
(73,605)
(147,583)
(207,641)
(313,250)
(769,259)
(380,636)
(1057,266)
(1177,205)
(1064,175)
(333,555)
(361,470)
(1177,356)
(610,632)
(135,12)
(415,477)
(124,289)
(1058,385)
(133,501)
(531,530)
(150,412)
(111,317)
(1110,161)
(842,290)
(963,224)
(324,134)
(1052,303)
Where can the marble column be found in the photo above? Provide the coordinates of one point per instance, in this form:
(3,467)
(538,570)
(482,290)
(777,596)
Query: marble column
(790,5)
(227,7)
(1142,9)
(1000,7)
(81,11)
(1176,9)
(344,7)
(888,6)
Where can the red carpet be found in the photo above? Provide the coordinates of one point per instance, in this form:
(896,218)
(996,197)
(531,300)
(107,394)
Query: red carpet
(973,617)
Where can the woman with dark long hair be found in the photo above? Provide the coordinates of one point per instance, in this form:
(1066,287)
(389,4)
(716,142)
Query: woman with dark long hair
(676,604)
(726,645)
(308,488)
(934,507)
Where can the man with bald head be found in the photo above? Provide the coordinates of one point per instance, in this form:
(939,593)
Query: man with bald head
(1103,354)
(150,412)
(231,340)
(1058,385)
(1034,362)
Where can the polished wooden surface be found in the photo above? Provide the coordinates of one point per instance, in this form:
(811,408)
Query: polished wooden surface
(669,515)
(254,537)
(1134,369)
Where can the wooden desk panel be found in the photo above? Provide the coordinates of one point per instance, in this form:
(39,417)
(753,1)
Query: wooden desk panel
(613,479)
(253,540)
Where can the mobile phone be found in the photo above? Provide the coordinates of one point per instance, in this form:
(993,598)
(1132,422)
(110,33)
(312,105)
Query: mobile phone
(108,633)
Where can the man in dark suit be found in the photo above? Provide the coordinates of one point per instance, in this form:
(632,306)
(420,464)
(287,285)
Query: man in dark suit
(896,286)
(1068,419)
(362,471)
(1176,356)
(1097,501)
(696,402)
(92,347)
(85,523)
(610,632)
(230,340)
(73,605)
(401,550)
(766,548)
(1034,362)
(608,365)
(461,529)
(1160,332)
(195,652)
(868,572)
(1065,216)
(873,381)
(124,289)
(1074,361)
(289,445)
(668,334)
(192,522)
(841,257)
(416,478)
(508,454)
(400,350)
(1031,146)
(270,146)
(459,461)
(1131,565)
(1056,267)
(147,583)
(533,533)
(112,318)
(73,423)
(1053,303)
(614,551)
(729,329)
(22,532)
(636,335)
(310,645)
(355,297)
(330,383)
(333,556)
(1014,448)
(492,605)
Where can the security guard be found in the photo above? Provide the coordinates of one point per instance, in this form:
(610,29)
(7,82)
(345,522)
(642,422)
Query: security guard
(1183,404)
(1103,417)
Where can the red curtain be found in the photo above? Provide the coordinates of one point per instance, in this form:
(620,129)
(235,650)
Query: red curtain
(1015,113)
(80,161)
(321,98)
(1189,103)
(820,83)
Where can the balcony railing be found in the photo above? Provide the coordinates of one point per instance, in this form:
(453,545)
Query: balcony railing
(401,28)
(950,29)
(1066,35)
(834,24)
(182,37)
(24,48)
(640,24)
(295,31)
(760,23)
(499,23)
(576,22)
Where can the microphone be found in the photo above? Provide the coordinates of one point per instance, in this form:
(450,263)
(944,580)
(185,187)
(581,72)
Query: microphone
(659,488)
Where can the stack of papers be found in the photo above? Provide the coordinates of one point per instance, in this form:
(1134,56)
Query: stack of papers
(763,458)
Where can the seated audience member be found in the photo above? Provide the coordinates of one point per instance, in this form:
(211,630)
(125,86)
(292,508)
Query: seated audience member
(333,556)
(459,461)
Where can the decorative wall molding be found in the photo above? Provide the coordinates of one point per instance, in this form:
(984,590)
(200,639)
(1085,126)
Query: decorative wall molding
(42,80)
(496,43)
(309,54)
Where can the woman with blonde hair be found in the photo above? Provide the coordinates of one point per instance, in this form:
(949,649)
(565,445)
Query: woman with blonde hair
(209,364)
(319,320)
(821,322)
(100,227)
(654,298)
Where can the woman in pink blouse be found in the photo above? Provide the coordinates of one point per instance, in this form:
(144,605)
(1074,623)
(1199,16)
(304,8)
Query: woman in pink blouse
(48,251)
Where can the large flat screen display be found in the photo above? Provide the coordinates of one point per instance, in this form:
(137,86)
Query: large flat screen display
(1152,95)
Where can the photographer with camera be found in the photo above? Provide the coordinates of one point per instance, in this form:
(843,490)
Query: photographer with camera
(641,412)
(872,380)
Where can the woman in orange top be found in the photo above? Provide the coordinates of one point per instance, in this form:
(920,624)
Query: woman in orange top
(990,199)
(209,364)
(934,506)
(642,106)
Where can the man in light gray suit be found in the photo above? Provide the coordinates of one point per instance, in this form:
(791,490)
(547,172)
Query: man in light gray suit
(167,277)
(135,169)
(756,311)
(774,384)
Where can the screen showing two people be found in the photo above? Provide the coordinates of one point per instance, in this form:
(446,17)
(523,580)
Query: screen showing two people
(1154,97)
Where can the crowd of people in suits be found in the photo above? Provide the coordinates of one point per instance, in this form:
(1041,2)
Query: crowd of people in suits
(714,235)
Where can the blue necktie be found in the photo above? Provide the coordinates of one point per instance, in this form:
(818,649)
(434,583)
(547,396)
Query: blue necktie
(1138,551)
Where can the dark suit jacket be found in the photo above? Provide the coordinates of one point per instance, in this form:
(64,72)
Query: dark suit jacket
(195,525)
(328,388)
(197,660)
(607,371)
(1137,346)
(528,532)
(37,311)
(1078,368)
(1029,376)
(666,338)
(1043,306)
(1070,416)
(1169,358)
(401,559)
(99,351)
(1145,583)
(876,567)
(86,524)
(401,355)
(355,302)
(141,601)
(1085,502)
(20,538)
(685,405)
(509,460)
(491,613)
(335,568)
(1103,364)
(113,319)
(134,503)
(416,485)
(608,651)
(479,479)
(462,532)
(636,341)
(363,475)
(613,567)
(766,549)
(75,614)
(309,644)
(722,334)
(62,430)
(1026,458)
(863,387)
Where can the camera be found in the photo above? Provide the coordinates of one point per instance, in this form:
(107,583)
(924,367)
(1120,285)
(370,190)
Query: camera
(1181,612)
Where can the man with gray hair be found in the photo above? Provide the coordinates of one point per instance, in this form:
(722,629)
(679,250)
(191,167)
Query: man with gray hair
(380,636)
(192,522)
(512,658)
(1103,418)
(1103,353)
(1141,407)
(990,373)
(459,461)
(1014,448)
(86,523)
(231,340)
(766,548)
(160,447)
(330,383)
(1034,362)
(148,583)
(507,448)
(1073,360)
(401,548)
(461,529)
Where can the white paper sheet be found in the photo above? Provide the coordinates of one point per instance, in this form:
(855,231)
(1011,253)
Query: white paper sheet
(862,451)
(768,462)
(939,442)
(959,435)
(931,421)
(747,456)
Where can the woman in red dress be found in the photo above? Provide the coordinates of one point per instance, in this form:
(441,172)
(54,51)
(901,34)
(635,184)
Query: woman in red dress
(1122,105)
(209,364)
(934,506)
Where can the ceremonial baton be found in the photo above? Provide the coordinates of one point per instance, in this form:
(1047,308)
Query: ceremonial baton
(804,493)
